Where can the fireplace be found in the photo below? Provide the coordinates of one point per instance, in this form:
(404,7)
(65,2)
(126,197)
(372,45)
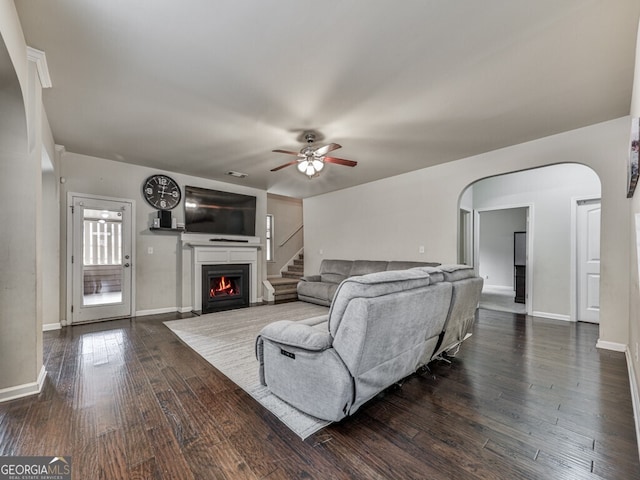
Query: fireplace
(224,287)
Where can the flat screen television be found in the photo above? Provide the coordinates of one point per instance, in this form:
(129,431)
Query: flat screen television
(213,211)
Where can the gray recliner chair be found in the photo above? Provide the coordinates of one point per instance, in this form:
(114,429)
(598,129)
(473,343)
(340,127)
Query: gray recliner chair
(379,328)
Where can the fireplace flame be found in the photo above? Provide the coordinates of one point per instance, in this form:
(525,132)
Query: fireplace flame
(223,287)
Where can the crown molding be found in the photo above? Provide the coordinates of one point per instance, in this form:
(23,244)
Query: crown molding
(40,59)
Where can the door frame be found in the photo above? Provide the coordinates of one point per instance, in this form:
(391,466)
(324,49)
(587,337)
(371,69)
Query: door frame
(69,250)
(530,238)
(573,284)
(466,236)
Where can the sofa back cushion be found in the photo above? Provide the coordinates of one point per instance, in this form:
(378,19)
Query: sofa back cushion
(378,323)
(364,267)
(402,265)
(453,272)
(334,271)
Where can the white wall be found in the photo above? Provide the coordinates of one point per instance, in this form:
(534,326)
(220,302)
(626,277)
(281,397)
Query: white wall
(391,218)
(496,244)
(163,278)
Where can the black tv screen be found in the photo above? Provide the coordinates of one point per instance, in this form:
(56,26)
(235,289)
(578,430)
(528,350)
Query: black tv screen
(213,211)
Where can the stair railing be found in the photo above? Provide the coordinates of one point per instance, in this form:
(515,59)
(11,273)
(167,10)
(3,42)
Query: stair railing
(291,235)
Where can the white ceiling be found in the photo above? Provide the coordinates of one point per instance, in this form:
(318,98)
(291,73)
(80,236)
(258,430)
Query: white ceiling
(202,87)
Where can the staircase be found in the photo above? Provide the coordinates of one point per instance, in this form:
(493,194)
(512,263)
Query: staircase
(285,286)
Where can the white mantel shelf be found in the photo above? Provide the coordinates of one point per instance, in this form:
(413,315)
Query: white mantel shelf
(204,239)
(220,252)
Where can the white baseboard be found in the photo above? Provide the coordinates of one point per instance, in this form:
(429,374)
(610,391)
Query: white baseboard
(616,347)
(500,288)
(24,390)
(156,311)
(51,326)
(635,394)
(552,316)
(185,309)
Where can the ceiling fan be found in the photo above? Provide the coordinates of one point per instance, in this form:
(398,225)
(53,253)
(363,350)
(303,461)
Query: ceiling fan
(312,159)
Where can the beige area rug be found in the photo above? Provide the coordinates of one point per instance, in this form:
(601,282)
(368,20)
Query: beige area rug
(227,341)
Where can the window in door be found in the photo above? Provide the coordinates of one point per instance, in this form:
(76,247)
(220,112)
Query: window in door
(102,257)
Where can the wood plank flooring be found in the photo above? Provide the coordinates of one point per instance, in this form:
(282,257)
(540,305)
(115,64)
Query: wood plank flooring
(525,398)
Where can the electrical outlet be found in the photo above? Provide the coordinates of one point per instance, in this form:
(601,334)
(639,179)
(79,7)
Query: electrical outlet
(421,249)
(150,250)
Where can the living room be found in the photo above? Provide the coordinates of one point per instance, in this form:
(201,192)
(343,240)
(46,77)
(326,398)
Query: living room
(384,218)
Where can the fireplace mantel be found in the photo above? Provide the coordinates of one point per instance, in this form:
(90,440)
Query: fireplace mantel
(220,250)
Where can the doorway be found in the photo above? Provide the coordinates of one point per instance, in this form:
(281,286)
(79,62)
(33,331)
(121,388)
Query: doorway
(101,258)
(500,263)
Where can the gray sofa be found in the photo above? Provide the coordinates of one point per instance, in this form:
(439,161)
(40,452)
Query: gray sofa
(321,288)
(380,328)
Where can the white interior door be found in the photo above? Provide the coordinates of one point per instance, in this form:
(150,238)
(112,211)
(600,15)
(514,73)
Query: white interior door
(588,261)
(101,261)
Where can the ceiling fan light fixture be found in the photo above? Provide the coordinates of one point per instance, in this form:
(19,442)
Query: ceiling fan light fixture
(310,167)
(317,164)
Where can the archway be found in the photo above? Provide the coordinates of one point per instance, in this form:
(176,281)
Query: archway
(549,194)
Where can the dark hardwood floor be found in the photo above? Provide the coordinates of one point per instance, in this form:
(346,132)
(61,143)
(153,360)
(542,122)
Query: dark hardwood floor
(525,398)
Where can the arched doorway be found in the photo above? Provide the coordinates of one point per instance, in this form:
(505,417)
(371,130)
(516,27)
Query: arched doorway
(546,200)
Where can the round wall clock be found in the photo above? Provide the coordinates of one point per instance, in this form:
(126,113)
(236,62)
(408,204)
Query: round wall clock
(161,192)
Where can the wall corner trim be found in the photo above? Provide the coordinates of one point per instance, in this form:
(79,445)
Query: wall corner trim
(19,391)
(40,59)
(616,347)
(51,326)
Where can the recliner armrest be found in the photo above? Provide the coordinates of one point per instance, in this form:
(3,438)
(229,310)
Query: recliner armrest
(310,278)
(295,334)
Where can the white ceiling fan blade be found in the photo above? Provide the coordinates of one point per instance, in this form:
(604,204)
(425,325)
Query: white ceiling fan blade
(322,151)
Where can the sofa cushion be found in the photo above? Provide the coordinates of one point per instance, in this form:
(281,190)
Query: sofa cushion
(332,277)
(456,272)
(341,267)
(376,284)
(316,290)
(402,265)
(435,274)
(364,267)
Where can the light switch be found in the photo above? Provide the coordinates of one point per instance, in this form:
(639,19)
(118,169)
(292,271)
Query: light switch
(150,250)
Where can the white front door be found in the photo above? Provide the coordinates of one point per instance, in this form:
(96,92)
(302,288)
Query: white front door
(101,261)
(588,261)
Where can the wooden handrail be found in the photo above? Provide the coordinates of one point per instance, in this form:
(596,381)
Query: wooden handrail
(291,236)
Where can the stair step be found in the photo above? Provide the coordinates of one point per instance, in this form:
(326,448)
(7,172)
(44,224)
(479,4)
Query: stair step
(291,275)
(295,269)
(281,291)
(286,299)
(298,262)
(282,281)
